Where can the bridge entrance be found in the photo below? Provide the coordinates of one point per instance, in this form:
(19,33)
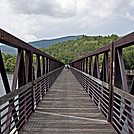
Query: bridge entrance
(67,108)
(50,99)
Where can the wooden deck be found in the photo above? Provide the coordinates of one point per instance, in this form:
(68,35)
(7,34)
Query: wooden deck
(67,109)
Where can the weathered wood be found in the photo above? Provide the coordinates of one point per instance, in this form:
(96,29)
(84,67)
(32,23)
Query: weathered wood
(124,94)
(67,108)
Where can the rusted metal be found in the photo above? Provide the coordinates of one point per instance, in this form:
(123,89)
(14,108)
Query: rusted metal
(25,105)
(43,66)
(46,65)
(111,84)
(91,66)
(12,41)
(37,67)
(106,99)
(87,65)
(23,74)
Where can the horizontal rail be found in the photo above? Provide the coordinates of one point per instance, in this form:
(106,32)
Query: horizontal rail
(123,103)
(122,42)
(23,101)
(13,41)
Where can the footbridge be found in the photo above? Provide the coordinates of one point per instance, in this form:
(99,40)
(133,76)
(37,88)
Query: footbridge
(92,97)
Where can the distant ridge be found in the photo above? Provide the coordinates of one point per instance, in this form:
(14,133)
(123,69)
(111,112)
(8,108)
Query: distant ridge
(38,44)
(47,43)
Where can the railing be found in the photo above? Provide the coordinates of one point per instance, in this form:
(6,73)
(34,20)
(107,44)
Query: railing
(108,87)
(17,106)
(33,82)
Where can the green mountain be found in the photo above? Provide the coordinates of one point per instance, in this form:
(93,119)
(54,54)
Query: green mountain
(72,49)
(37,44)
(47,43)
(69,50)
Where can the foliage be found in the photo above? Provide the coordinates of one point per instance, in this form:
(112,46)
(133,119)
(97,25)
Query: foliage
(9,62)
(128,56)
(70,50)
(73,49)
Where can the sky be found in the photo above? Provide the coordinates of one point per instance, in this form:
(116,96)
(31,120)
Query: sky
(32,20)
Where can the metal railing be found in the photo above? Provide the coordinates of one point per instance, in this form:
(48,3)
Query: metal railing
(33,82)
(16,107)
(108,87)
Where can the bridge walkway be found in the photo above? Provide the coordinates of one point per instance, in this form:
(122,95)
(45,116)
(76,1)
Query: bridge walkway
(67,109)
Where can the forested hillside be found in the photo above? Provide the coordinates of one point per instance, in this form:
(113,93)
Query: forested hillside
(72,49)
(69,50)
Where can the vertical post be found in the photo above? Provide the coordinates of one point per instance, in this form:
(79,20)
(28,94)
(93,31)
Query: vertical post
(27,58)
(83,65)
(37,67)
(46,65)
(50,65)
(111,83)
(42,66)
(106,65)
(32,79)
(16,71)
(21,74)
(91,66)
(87,65)
(0,118)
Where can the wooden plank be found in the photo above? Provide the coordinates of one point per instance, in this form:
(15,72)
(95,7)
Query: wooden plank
(124,94)
(67,108)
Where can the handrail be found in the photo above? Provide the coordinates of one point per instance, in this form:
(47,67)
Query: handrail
(28,75)
(24,70)
(13,41)
(122,42)
(115,77)
(18,105)
(122,93)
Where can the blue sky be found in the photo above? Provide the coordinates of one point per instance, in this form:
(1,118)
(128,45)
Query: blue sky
(32,20)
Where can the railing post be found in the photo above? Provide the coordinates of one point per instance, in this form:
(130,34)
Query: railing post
(91,66)
(37,67)
(83,65)
(0,120)
(42,66)
(46,65)
(87,65)
(111,83)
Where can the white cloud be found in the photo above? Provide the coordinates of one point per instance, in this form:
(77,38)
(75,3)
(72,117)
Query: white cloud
(129,16)
(55,8)
(29,38)
(37,19)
